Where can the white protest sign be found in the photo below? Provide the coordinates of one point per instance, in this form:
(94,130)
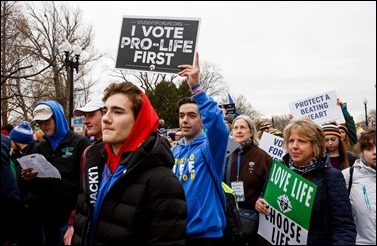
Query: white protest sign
(273,145)
(319,108)
(157,44)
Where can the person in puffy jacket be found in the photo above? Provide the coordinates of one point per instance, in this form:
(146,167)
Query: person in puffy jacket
(130,196)
(362,188)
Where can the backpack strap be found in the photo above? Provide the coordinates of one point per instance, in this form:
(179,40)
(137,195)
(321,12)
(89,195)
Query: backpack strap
(228,169)
(83,162)
(350,180)
(214,180)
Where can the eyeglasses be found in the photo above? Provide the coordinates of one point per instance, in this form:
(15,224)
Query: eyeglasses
(42,122)
(241,128)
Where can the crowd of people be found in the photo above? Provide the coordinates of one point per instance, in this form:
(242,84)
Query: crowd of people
(129,181)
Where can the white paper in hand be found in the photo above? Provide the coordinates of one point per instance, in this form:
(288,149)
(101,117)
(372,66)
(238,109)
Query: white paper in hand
(39,164)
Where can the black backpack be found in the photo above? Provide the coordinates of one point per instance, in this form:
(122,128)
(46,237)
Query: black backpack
(233,230)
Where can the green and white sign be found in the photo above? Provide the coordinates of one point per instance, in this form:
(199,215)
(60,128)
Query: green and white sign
(291,200)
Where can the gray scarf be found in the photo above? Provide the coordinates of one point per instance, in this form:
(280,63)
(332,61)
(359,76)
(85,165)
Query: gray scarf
(303,169)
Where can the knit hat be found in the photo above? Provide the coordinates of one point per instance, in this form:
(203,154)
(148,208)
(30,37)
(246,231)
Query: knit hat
(22,133)
(276,132)
(42,112)
(331,129)
(264,125)
(229,118)
(343,127)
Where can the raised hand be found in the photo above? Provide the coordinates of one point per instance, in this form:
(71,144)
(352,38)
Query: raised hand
(191,72)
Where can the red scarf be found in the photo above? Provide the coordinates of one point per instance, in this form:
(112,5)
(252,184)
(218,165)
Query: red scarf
(146,122)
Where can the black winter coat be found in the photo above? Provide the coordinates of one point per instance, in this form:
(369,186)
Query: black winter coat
(146,205)
(331,220)
(52,199)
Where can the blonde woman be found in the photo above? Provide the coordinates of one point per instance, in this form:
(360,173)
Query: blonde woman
(331,220)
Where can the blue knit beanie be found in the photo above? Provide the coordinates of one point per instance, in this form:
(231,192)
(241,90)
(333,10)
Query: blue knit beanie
(22,133)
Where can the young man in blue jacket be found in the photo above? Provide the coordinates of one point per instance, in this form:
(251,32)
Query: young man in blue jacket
(199,161)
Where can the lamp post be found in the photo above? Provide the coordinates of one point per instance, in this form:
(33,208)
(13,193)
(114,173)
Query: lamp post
(366,111)
(71,64)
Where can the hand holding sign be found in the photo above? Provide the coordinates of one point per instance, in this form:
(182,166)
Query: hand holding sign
(192,72)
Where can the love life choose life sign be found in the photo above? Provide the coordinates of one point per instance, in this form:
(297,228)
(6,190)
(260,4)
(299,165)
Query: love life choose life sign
(157,44)
(291,199)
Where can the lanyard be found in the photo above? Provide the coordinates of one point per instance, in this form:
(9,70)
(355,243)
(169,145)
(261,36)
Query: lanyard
(240,151)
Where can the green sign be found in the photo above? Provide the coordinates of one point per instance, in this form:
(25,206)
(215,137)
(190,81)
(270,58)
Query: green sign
(290,194)
(291,198)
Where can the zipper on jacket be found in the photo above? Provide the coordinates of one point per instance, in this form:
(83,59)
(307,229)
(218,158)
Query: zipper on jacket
(366,197)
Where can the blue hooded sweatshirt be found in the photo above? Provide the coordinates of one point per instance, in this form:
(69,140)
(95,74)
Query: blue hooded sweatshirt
(193,166)
(61,124)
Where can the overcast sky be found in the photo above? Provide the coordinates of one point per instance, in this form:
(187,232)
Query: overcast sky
(273,53)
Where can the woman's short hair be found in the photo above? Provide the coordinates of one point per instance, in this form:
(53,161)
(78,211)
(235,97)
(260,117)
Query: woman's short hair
(310,130)
(250,124)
